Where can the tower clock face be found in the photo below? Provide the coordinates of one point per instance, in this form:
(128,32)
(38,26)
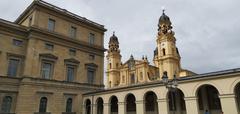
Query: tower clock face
(162,45)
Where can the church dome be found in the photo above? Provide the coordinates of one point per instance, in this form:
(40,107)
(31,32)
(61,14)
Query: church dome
(164,19)
(113,39)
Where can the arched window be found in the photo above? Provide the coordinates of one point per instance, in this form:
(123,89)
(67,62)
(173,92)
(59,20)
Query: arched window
(43,105)
(164,51)
(6,104)
(69,105)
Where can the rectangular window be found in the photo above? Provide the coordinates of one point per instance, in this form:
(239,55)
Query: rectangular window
(90,75)
(17,42)
(70,73)
(91,38)
(51,24)
(73,32)
(132,78)
(13,67)
(47,70)
(72,52)
(49,46)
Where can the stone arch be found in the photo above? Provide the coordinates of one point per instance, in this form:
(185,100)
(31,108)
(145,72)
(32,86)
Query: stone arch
(148,91)
(130,101)
(113,102)
(196,88)
(237,96)
(99,103)
(151,90)
(176,102)
(87,106)
(233,85)
(208,99)
(184,91)
(150,103)
(98,98)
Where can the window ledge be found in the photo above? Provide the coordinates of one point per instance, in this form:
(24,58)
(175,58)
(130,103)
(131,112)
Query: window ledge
(42,112)
(69,113)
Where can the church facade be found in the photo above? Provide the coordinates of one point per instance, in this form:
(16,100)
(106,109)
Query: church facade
(136,87)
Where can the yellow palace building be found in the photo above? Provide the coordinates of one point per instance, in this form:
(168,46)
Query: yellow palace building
(52,62)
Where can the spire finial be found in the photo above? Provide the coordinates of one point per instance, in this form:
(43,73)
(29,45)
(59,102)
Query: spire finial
(163,9)
(113,32)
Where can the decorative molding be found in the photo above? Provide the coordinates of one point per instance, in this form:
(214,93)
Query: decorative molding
(91,65)
(71,60)
(15,55)
(48,56)
(70,94)
(44,92)
(222,96)
(190,98)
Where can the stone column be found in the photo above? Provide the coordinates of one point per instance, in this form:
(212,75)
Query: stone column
(83,109)
(228,102)
(121,108)
(162,106)
(94,108)
(191,105)
(140,107)
(106,108)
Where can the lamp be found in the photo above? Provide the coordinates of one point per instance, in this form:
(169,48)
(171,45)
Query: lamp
(170,84)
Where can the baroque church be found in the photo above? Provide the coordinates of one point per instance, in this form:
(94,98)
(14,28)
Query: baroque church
(52,62)
(166,59)
(137,87)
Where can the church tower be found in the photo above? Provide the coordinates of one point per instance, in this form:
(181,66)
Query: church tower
(113,62)
(166,54)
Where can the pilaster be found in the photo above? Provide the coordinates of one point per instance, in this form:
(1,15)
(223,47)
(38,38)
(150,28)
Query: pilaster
(162,106)
(121,108)
(228,102)
(94,108)
(106,108)
(191,105)
(140,107)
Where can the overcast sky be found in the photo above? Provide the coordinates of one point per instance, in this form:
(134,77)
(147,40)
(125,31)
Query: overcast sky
(207,31)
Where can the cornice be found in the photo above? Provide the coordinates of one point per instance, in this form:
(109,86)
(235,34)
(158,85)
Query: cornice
(9,28)
(59,11)
(187,79)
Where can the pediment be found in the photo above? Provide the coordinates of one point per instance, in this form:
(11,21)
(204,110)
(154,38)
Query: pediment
(91,65)
(48,55)
(72,60)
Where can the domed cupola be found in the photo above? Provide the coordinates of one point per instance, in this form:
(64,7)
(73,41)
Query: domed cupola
(113,39)
(113,43)
(164,23)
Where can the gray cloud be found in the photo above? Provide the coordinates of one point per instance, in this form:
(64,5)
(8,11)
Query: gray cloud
(207,32)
